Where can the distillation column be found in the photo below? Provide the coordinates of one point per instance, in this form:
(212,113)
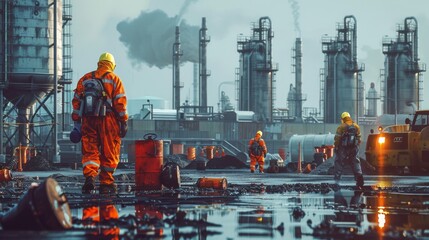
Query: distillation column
(255,80)
(401,85)
(342,79)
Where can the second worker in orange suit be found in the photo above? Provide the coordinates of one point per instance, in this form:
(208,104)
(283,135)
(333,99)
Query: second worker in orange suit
(257,152)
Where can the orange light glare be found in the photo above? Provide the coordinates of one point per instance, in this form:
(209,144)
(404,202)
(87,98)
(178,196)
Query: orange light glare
(381,218)
(381,140)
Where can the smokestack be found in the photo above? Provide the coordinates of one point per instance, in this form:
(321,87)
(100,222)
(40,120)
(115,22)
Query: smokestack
(203,63)
(177,52)
(298,78)
(195,86)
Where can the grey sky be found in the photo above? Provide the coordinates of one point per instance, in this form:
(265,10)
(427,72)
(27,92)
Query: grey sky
(95,30)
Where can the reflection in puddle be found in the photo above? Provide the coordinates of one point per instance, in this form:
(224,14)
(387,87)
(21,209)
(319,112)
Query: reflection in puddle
(381,217)
(400,210)
(98,218)
(341,214)
(190,214)
(258,223)
(144,211)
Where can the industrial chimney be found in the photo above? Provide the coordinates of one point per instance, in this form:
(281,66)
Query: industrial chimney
(204,39)
(297,59)
(177,53)
(298,78)
(195,86)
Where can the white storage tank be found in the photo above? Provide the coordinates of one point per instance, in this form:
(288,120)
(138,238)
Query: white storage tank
(308,142)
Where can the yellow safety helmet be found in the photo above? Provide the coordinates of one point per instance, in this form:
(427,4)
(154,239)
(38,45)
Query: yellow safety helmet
(344,115)
(107,57)
(259,133)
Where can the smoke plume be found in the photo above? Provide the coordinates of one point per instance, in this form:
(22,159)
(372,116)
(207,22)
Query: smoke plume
(150,38)
(184,8)
(295,12)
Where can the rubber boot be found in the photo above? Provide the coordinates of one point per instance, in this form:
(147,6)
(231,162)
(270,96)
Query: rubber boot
(359,182)
(88,186)
(108,188)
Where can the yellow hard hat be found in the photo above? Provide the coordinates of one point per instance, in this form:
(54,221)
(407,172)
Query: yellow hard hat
(344,115)
(107,57)
(259,133)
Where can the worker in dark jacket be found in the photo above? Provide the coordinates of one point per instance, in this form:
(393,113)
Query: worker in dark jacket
(347,141)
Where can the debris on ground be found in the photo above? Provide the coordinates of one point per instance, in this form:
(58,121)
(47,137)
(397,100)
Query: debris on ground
(38,163)
(180,159)
(225,162)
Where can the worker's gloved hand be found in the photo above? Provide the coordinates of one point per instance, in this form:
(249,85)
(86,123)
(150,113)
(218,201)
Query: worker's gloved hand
(75,134)
(123,129)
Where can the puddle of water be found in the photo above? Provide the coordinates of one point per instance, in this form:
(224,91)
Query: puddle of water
(274,216)
(191,214)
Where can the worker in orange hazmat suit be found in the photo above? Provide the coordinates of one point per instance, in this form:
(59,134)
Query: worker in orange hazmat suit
(257,152)
(100,107)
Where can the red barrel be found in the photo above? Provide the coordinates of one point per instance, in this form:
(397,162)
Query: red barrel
(216,153)
(191,153)
(329,150)
(149,160)
(209,152)
(215,183)
(177,148)
(5,175)
(282,153)
(20,153)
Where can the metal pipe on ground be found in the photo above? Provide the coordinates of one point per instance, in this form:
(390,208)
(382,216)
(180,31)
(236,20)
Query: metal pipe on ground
(43,207)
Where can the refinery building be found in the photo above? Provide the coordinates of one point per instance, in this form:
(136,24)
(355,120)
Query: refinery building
(37,73)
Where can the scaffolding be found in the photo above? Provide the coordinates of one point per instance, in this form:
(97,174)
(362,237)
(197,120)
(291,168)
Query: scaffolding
(67,77)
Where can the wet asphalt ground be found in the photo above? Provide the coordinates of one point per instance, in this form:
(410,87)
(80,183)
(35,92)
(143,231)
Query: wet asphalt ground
(254,206)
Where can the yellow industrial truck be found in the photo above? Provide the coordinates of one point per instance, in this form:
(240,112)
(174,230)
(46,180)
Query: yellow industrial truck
(401,148)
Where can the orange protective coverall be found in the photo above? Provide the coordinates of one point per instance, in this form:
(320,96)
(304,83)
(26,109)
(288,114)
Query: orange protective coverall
(100,135)
(257,159)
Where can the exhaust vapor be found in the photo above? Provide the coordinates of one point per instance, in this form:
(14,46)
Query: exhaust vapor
(150,37)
